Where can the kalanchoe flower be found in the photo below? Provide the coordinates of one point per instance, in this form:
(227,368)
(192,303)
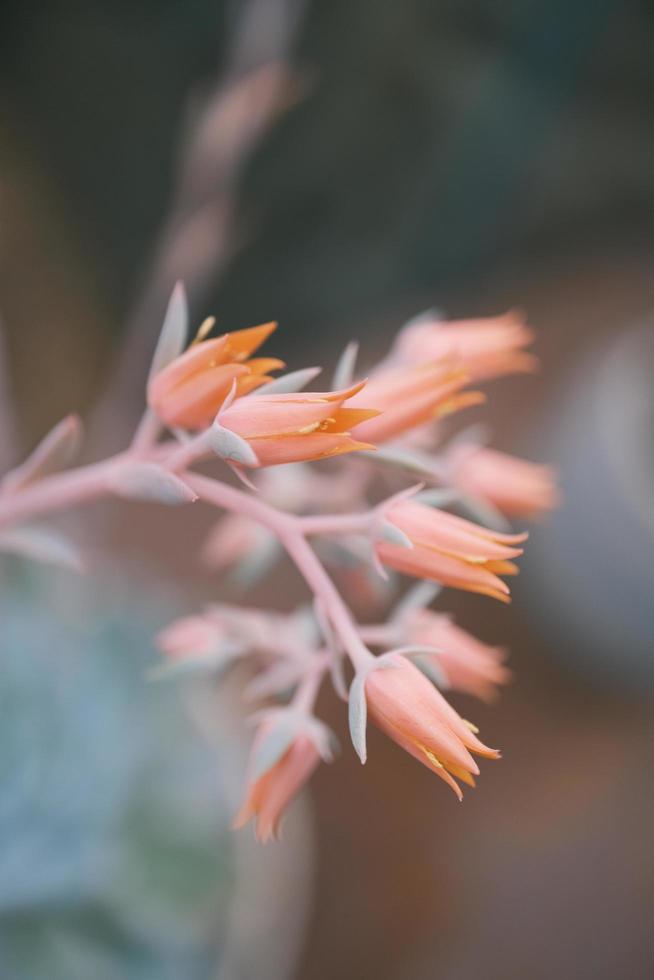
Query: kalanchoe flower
(287,748)
(188,392)
(467,664)
(296,427)
(408,708)
(410,395)
(451,550)
(516,487)
(486,347)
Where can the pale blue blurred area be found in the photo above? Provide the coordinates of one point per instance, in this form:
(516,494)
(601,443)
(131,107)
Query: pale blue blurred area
(115,856)
(588,572)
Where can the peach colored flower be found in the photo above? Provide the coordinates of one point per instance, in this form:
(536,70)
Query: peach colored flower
(411,395)
(190,390)
(514,486)
(291,428)
(467,664)
(268,797)
(406,706)
(286,750)
(450,550)
(486,347)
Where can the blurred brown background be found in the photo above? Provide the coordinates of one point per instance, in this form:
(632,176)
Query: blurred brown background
(462,155)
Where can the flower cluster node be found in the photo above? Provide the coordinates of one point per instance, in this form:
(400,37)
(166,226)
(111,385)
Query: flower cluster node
(314,463)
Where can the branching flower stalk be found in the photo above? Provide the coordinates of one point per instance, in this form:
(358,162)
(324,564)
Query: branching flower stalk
(219,398)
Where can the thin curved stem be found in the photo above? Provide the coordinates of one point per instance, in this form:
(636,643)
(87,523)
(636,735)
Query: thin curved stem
(57,492)
(288,531)
(91,482)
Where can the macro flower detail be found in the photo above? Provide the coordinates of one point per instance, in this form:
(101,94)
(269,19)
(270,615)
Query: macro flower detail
(408,396)
(516,487)
(222,407)
(292,428)
(451,550)
(465,663)
(286,751)
(188,392)
(407,707)
(486,348)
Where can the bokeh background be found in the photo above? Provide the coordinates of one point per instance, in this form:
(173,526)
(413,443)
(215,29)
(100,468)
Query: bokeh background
(468,156)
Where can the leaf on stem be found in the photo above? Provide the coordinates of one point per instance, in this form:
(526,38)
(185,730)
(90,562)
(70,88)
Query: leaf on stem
(148,481)
(344,370)
(174,331)
(41,544)
(54,452)
(358,715)
(230,446)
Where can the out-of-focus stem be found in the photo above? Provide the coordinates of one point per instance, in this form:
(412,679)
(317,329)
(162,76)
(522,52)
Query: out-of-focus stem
(87,483)
(57,492)
(335,524)
(147,432)
(307,690)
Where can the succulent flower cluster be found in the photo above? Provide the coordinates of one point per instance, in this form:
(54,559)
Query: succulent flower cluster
(327,477)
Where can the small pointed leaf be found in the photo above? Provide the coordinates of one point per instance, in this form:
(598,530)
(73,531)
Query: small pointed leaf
(288,383)
(337,674)
(344,371)
(387,531)
(149,481)
(230,446)
(357,715)
(53,453)
(433,672)
(438,497)
(273,746)
(174,331)
(214,662)
(276,679)
(419,596)
(41,544)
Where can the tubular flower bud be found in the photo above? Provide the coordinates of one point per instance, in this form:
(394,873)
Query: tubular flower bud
(190,390)
(468,665)
(291,428)
(516,487)
(411,395)
(271,791)
(487,347)
(406,706)
(451,550)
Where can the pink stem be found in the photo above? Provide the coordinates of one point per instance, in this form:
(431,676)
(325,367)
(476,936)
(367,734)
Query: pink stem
(381,635)
(91,482)
(288,531)
(57,492)
(307,692)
